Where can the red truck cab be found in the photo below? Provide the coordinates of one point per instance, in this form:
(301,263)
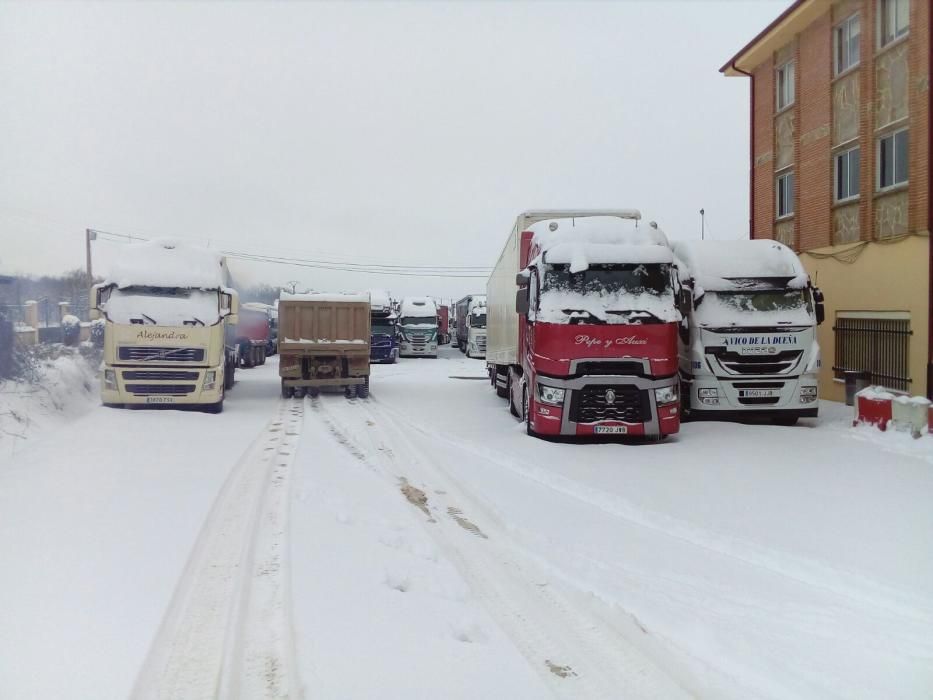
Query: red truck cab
(588,344)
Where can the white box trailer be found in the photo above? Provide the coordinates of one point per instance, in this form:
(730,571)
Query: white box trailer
(749,348)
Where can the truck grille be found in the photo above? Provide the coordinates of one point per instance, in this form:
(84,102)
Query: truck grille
(156,389)
(141,353)
(623,368)
(159,376)
(590,404)
(781,363)
(481,343)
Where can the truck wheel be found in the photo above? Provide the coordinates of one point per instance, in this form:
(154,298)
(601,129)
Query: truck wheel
(299,392)
(229,375)
(362,390)
(313,392)
(350,391)
(287,391)
(526,413)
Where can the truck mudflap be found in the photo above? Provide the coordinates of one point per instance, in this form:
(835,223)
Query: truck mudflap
(599,406)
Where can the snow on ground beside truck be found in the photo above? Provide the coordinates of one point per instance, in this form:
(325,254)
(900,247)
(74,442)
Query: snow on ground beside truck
(60,385)
(433,549)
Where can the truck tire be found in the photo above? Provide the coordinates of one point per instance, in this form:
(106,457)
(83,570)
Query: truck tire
(229,375)
(512,409)
(526,413)
(287,391)
(299,392)
(362,390)
(313,392)
(350,391)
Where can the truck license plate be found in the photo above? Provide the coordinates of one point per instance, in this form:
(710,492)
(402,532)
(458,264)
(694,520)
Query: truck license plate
(610,429)
(160,399)
(756,393)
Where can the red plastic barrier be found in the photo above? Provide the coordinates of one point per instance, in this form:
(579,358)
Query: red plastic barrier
(874,411)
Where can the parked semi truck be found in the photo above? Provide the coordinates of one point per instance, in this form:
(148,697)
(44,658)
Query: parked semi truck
(384,330)
(443,324)
(169,326)
(252,334)
(583,313)
(471,325)
(750,348)
(417,327)
(324,341)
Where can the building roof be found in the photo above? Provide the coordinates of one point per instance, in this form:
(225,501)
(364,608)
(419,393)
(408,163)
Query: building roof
(777,34)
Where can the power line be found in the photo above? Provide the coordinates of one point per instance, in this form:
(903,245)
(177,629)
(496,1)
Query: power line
(454,271)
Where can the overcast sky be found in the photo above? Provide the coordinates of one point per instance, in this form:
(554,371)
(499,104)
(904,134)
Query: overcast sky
(392,133)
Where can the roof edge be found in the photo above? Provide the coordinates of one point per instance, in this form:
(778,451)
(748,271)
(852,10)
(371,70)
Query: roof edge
(730,69)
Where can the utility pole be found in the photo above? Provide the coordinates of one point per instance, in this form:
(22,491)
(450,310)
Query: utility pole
(89,235)
(702,224)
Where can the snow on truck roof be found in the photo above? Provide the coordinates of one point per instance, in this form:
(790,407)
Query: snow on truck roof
(418,306)
(600,240)
(324,296)
(715,264)
(167,263)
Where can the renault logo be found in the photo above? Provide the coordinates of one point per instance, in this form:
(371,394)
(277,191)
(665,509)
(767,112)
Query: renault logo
(610,396)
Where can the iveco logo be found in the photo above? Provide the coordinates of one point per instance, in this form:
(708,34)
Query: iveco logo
(610,396)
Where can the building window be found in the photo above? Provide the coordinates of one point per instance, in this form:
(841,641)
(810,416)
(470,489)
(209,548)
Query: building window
(894,20)
(877,342)
(892,159)
(785,194)
(847,174)
(847,37)
(785,85)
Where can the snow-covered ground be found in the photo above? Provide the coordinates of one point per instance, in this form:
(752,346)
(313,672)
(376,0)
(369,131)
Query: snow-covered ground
(419,544)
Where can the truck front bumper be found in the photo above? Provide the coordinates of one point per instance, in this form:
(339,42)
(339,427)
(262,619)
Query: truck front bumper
(407,349)
(146,385)
(732,398)
(589,409)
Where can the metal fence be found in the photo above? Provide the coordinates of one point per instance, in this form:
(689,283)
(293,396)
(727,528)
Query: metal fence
(877,345)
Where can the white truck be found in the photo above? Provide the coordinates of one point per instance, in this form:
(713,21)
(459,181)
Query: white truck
(417,327)
(169,326)
(749,346)
(471,325)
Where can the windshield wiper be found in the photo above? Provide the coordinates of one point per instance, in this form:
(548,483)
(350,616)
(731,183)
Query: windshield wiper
(577,319)
(196,320)
(642,315)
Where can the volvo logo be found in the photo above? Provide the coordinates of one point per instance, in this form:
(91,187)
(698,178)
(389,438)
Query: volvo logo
(610,396)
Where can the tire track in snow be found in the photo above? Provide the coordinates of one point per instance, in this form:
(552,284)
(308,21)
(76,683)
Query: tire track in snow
(573,650)
(227,631)
(857,587)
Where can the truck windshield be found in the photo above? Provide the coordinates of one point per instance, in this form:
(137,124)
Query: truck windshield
(478,320)
(626,293)
(771,300)
(610,279)
(419,320)
(163,306)
(383,327)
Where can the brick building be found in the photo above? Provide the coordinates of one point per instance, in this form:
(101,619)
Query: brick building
(840,171)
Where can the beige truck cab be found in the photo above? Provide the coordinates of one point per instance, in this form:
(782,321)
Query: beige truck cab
(168,332)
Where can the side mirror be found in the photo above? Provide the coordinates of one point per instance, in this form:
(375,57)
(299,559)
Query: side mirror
(683,302)
(521,302)
(95,299)
(230,302)
(698,299)
(521,279)
(820,308)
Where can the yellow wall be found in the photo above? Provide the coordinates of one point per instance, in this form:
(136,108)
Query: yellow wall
(885,277)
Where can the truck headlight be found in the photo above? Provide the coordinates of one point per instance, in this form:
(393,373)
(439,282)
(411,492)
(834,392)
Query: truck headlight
(210,379)
(807,394)
(666,394)
(110,379)
(550,394)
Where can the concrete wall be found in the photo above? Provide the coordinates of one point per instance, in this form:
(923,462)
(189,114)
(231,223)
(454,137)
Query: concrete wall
(885,277)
